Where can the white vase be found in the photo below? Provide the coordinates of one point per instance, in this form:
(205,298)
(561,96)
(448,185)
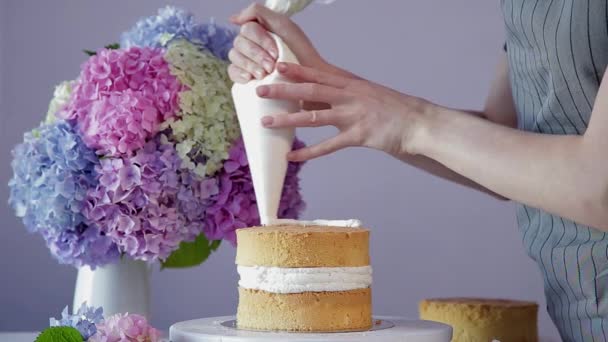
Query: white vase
(123,287)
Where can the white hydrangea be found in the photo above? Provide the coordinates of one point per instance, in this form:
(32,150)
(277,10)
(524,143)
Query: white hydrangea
(61,96)
(206,123)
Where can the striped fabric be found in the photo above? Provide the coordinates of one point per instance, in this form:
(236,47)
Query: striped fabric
(558,51)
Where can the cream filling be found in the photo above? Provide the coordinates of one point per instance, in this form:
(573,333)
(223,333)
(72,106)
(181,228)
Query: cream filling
(331,223)
(309,279)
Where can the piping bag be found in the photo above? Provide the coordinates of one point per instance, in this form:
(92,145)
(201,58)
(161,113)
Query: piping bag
(267,148)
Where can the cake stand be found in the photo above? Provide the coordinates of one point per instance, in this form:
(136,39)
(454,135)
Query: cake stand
(386,329)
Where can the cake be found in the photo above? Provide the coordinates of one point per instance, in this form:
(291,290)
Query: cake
(304,278)
(484,320)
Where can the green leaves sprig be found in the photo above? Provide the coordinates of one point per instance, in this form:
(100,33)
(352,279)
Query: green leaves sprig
(113,46)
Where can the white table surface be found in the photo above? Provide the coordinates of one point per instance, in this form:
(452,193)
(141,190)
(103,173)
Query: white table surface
(18,337)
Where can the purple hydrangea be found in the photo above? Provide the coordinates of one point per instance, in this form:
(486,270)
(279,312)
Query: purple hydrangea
(83,245)
(235,206)
(85,320)
(52,172)
(292,205)
(173,23)
(147,204)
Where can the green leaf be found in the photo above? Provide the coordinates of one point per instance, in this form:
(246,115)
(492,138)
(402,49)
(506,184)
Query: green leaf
(59,334)
(192,253)
(112,46)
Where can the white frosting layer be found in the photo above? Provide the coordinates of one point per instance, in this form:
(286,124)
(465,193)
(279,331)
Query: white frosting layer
(331,223)
(297,280)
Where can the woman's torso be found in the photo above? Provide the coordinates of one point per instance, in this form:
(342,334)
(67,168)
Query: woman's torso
(558,51)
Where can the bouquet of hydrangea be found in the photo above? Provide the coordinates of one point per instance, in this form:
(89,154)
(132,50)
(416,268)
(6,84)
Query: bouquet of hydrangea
(88,325)
(141,155)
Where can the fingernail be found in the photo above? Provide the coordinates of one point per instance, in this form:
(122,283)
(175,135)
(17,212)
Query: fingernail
(274,53)
(262,90)
(246,76)
(259,73)
(267,121)
(282,67)
(268,65)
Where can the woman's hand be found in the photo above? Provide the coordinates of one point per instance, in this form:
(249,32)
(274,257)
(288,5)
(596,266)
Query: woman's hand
(366,114)
(255,53)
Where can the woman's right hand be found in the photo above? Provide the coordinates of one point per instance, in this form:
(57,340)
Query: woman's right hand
(255,53)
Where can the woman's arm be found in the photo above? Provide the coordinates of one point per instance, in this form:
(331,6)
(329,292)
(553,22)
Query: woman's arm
(498,108)
(565,175)
(253,48)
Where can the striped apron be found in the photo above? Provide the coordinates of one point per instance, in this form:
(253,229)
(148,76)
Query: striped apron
(558,51)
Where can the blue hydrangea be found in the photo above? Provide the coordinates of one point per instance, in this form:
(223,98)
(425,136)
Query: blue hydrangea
(85,320)
(53,172)
(172,23)
(213,37)
(152,31)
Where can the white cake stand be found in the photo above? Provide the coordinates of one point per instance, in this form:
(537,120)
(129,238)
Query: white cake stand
(387,329)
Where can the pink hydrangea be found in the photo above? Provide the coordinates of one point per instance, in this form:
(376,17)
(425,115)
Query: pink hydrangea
(126,328)
(121,98)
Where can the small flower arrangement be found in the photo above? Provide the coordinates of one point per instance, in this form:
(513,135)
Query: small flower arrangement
(141,155)
(89,325)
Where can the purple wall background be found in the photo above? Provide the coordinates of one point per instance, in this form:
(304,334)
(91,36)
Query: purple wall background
(430,238)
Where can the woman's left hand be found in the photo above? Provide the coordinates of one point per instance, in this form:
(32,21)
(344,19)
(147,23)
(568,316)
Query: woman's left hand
(366,114)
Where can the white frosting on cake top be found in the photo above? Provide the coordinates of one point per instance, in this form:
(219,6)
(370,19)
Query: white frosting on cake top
(330,223)
(297,280)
